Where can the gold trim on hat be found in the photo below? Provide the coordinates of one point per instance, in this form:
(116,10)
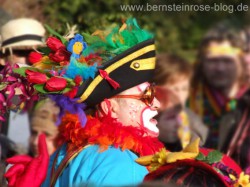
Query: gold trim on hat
(114,66)
(144,64)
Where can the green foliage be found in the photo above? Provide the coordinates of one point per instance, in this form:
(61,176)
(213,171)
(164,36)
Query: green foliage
(212,157)
(40,89)
(201,157)
(21,70)
(176,32)
(3,85)
(53,32)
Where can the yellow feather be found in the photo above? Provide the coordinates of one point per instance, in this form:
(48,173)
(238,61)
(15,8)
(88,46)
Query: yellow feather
(145,160)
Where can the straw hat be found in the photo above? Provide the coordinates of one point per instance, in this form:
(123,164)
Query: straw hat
(22,33)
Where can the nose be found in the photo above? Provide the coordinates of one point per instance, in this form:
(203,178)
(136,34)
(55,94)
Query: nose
(35,140)
(221,65)
(156,104)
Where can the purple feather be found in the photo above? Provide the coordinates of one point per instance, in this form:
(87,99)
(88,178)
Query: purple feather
(67,104)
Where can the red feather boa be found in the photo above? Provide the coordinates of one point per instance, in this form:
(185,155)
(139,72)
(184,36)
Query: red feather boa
(107,131)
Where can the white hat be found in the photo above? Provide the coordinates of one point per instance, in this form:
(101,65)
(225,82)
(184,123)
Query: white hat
(22,33)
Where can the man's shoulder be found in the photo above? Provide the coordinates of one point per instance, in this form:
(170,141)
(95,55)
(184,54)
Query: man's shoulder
(115,154)
(94,165)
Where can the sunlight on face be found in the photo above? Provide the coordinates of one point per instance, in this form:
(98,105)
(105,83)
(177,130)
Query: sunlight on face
(180,88)
(33,140)
(221,70)
(136,113)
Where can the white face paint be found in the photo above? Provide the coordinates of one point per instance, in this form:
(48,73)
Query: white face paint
(136,113)
(147,115)
(149,122)
(134,108)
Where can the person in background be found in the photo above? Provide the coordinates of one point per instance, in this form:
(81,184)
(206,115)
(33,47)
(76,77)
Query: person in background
(235,139)
(245,35)
(18,38)
(43,119)
(219,79)
(178,125)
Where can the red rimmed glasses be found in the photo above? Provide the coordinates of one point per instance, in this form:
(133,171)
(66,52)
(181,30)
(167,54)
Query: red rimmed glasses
(147,97)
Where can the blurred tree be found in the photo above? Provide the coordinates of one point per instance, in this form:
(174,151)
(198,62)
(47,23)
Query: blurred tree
(176,31)
(23,8)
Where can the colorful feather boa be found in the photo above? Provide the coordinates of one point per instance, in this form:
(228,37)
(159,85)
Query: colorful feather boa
(107,131)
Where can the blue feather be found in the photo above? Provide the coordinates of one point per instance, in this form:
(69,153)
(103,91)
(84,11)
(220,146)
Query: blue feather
(75,68)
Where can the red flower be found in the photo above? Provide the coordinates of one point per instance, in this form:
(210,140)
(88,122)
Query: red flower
(60,55)
(72,93)
(34,57)
(36,77)
(54,44)
(78,80)
(55,84)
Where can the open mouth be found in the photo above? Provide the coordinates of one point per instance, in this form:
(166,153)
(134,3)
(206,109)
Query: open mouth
(152,119)
(149,122)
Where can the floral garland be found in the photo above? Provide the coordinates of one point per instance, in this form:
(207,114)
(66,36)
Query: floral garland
(12,84)
(107,131)
(64,64)
(60,70)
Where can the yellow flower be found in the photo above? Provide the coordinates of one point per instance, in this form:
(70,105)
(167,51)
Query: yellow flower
(154,161)
(232,177)
(77,47)
(145,160)
(158,159)
(42,63)
(164,156)
(243,181)
(189,152)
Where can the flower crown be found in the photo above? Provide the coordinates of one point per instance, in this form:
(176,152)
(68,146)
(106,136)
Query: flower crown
(63,66)
(223,166)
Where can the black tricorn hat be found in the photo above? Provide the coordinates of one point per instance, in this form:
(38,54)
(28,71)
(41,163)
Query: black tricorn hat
(130,68)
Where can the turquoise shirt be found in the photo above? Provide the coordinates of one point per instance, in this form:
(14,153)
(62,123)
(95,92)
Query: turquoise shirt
(91,168)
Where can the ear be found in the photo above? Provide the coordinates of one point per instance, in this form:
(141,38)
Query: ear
(109,107)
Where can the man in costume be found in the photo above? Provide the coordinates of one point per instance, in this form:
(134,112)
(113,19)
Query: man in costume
(106,74)
(219,80)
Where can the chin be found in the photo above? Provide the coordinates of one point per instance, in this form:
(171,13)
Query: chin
(153,134)
(153,131)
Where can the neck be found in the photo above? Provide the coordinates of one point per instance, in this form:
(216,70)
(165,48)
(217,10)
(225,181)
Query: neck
(232,91)
(227,92)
